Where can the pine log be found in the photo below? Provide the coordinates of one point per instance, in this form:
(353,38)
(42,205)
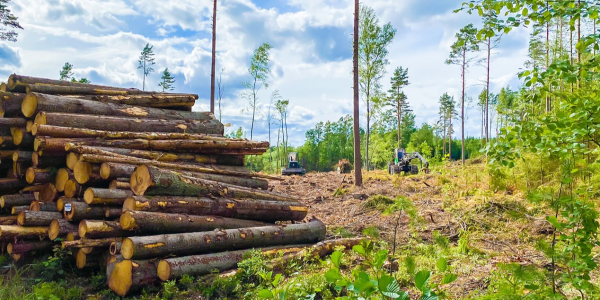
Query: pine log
(15,210)
(10,104)
(24,247)
(87,89)
(162,223)
(111,123)
(153,181)
(110,171)
(72,159)
(60,203)
(8,220)
(113,212)
(13,122)
(73,189)
(8,201)
(22,157)
(95,196)
(29,126)
(317,250)
(53,146)
(32,189)
(36,102)
(205,147)
(120,184)
(8,232)
(115,248)
(7,143)
(76,132)
(131,275)
(62,176)
(87,173)
(19,170)
(199,265)
(260,210)
(47,161)
(221,160)
(77,211)
(6,154)
(3,87)
(32,218)
(101,229)
(40,176)
(181,244)
(93,259)
(60,228)
(43,206)
(22,138)
(72,236)
(91,243)
(20,83)
(48,193)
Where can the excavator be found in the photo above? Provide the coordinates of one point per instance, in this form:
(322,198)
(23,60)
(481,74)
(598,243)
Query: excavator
(402,163)
(294,167)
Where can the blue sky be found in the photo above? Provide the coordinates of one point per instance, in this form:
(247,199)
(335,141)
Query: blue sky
(311,56)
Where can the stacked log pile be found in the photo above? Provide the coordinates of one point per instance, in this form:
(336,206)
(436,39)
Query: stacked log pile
(134,182)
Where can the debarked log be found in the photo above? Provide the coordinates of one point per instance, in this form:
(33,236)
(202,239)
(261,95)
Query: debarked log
(182,244)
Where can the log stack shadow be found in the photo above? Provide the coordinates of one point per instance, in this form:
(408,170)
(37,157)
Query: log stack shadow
(134,182)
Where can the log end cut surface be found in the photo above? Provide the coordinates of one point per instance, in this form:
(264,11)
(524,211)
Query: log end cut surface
(29,105)
(140,180)
(127,248)
(164,270)
(121,278)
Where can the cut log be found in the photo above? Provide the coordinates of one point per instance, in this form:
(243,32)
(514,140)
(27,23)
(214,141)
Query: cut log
(8,220)
(60,228)
(3,87)
(101,229)
(260,210)
(24,247)
(74,132)
(77,211)
(198,265)
(95,196)
(93,259)
(13,122)
(7,143)
(6,154)
(72,159)
(32,189)
(48,193)
(47,161)
(184,146)
(73,189)
(153,181)
(32,218)
(22,138)
(20,83)
(72,236)
(43,206)
(15,210)
(111,123)
(131,275)
(8,232)
(40,176)
(91,243)
(54,146)
(87,173)
(36,102)
(62,176)
(29,125)
(113,213)
(182,244)
(110,171)
(19,170)
(120,184)
(318,250)
(115,248)
(161,223)
(22,157)
(60,202)
(227,160)
(10,104)
(8,201)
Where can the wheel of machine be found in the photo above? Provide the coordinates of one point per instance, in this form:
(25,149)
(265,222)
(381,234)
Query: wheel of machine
(390,169)
(414,169)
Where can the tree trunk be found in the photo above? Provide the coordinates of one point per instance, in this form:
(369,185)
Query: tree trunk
(60,227)
(10,105)
(36,102)
(13,122)
(43,206)
(199,265)
(162,223)
(55,146)
(62,176)
(101,229)
(31,218)
(231,239)
(15,210)
(8,201)
(40,176)
(24,247)
(213,58)
(77,211)
(130,276)
(98,196)
(487,96)
(113,212)
(357,161)
(259,210)
(10,232)
(110,171)
(11,185)
(462,114)
(112,123)
(87,173)
(154,181)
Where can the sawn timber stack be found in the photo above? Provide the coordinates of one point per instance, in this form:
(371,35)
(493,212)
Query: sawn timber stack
(125,179)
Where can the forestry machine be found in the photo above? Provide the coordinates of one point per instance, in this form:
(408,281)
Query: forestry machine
(294,167)
(402,161)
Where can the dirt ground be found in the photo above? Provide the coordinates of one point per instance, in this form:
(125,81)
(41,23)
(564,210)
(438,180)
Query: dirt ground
(503,226)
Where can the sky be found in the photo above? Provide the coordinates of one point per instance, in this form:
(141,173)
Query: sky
(311,58)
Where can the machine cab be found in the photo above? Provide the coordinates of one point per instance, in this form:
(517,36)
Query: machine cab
(293,160)
(399,155)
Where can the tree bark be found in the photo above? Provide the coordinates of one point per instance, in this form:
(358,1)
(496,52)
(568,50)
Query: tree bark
(15,210)
(13,122)
(36,102)
(113,212)
(55,146)
(110,171)
(78,211)
(357,160)
(20,83)
(91,243)
(11,185)
(101,229)
(131,275)
(8,201)
(154,181)
(43,207)
(199,265)
(119,123)
(9,232)
(213,59)
(32,218)
(24,247)
(40,176)
(98,196)
(462,114)
(259,210)
(72,132)
(231,239)
(10,105)
(162,223)
(62,176)
(60,228)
